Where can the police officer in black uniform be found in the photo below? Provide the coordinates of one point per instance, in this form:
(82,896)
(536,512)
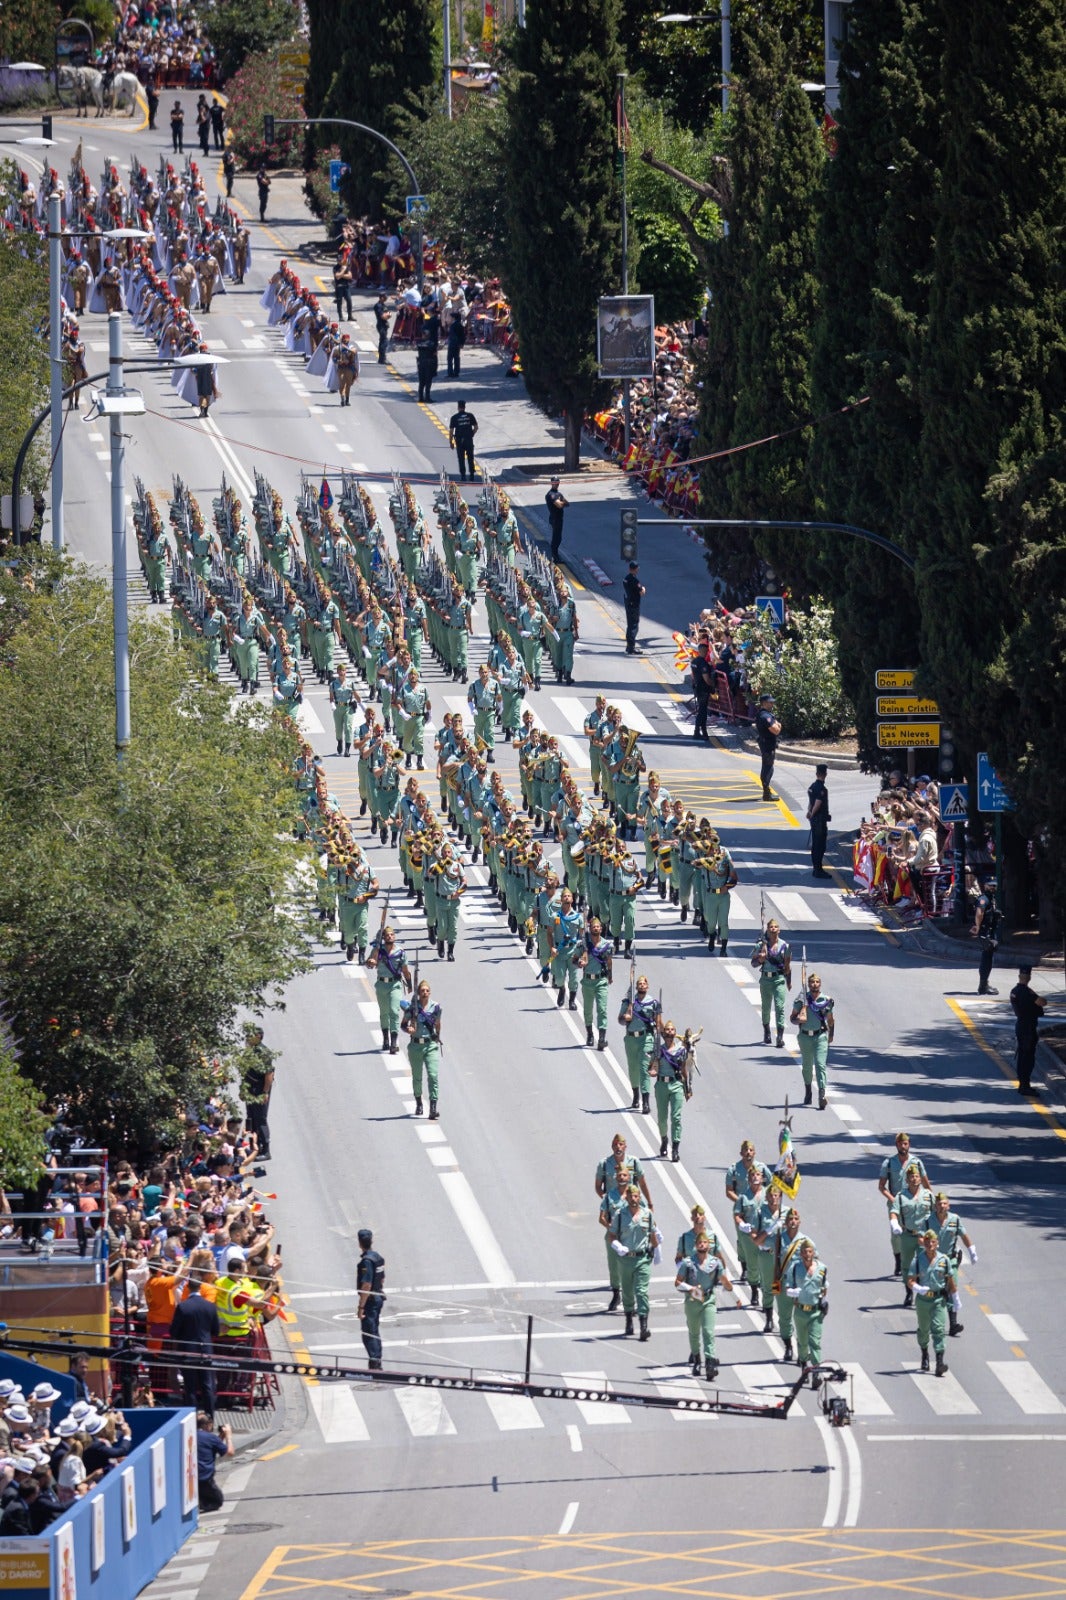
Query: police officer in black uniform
(1028,1008)
(986,916)
(381,322)
(767,729)
(556,502)
(819,819)
(633,591)
(461,430)
(370,1281)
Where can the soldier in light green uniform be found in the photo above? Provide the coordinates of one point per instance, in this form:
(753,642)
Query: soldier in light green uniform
(249,630)
(155,561)
(450,883)
(890,1183)
(483,698)
(746,1210)
(911,1215)
(932,1287)
(773,960)
(415,707)
(614,1174)
(389,964)
(716,875)
(766,1226)
(597,972)
(626,774)
(698,1276)
(422,1025)
(649,814)
(212,627)
(633,1229)
(812,1013)
(566,628)
(738,1182)
(414,624)
(686,1242)
(547,905)
(565,936)
(790,1240)
(951,1236)
(669,1069)
(344,699)
(805,1283)
(467,553)
(593,723)
(625,884)
(356,887)
(640,1016)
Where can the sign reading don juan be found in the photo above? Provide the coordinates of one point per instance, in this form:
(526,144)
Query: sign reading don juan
(625,336)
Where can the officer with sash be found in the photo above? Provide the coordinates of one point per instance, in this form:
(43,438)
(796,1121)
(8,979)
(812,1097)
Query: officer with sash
(812,1013)
(422,1025)
(640,1015)
(392,977)
(596,962)
(669,1069)
(773,959)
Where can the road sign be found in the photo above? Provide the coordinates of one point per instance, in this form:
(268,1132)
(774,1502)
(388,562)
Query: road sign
(294,55)
(954,802)
(337,171)
(775,605)
(991,795)
(417,205)
(908,735)
(893,678)
(906,705)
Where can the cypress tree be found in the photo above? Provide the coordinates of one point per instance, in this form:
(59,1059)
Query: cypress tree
(385,62)
(328,21)
(562,199)
(774,355)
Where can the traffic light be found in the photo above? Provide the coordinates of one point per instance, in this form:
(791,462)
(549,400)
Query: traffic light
(268,128)
(947,752)
(630,518)
(46,125)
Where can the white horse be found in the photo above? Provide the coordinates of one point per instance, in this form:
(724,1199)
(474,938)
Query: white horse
(125,87)
(87,84)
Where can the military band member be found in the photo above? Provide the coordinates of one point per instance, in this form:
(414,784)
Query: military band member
(715,876)
(450,880)
(565,935)
(625,884)
(356,887)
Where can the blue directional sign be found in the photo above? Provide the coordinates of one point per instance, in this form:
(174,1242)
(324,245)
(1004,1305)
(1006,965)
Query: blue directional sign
(775,605)
(335,175)
(991,795)
(954,802)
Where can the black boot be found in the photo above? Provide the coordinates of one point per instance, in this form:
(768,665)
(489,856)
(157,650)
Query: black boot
(529,947)
(662,1145)
(440,947)
(754,1294)
(908,1299)
(954,1325)
(634,1104)
(601,1042)
(418,1105)
(629,1325)
(780,1038)
(897,1270)
(645,1105)
(645,1331)
(694,1362)
(349,952)
(394,1048)
(675,1153)
(808,1095)
(787,1353)
(588,1036)
(434,1114)
(723,947)
(711,941)
(571,1004)
(615,1300)
(941,1365)
(560,997)
(451,952)
(711,1369)
(768,1325)
(766,1033)
(925,1361)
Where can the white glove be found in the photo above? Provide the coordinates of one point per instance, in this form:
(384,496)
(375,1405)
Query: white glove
(793,1294)
(658,1236)
(973,1254)
(744,1227)
(894,1225)
(920,1288)
(956,1303)
(619,1248)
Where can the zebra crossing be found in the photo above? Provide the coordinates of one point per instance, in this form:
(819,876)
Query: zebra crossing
(357,1414)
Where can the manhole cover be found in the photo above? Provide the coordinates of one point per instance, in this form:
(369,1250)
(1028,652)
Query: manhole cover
(252,1527)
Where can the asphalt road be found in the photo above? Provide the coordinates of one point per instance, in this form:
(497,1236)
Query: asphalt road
(488,1218)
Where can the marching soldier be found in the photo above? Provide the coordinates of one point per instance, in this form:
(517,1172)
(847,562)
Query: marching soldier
(812,1012)
(640,1014)
(483,698)
(738,1181)
(805,1284)
(422,1025)
(565,933)
(633,1237)
(716,876)
(613,1176)
(788,1243)
(910,1216)
(686,1242)
(932,1287)
(597,972)
(346,364)
(356,887)
(669,1069)
(698,1276)
(450,886)
(773,959)
(157,553)
(766,1227)
(567,629)
(626,774)
(649,815)
(344,699)
(415,706)
(593,724)
(390,965)
(951,1236)
(891,1182)
(746,1211)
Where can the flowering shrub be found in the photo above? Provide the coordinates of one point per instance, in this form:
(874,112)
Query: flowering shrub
(798,665)
(322,201)
(253,91)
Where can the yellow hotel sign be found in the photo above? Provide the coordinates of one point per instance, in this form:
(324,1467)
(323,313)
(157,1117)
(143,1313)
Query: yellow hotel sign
(888,678)
(908,735)
(906,705)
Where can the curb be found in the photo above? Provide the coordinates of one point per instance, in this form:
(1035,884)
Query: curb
(598,573)
(806,754)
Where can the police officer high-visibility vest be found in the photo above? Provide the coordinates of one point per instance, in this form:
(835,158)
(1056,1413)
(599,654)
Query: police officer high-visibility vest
(234,1320)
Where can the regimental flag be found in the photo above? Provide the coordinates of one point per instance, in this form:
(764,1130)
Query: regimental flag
(786,1173)
(325,494)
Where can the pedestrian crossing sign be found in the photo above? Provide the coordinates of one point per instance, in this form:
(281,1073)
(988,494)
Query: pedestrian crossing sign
(954,802)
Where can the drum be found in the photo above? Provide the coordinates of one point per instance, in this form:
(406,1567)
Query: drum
(577,853)
(665,853)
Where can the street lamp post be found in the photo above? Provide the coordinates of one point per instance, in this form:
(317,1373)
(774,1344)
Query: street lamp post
(626,407)
(55,362)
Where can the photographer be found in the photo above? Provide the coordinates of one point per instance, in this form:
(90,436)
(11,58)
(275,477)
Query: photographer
(209,1447)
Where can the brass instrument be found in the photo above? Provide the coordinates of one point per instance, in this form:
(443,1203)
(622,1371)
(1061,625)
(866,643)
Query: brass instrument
(629,744)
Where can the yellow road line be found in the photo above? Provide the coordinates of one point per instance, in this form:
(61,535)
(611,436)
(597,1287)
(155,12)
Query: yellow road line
(284,1451)
(1031,1101)
(266,1572)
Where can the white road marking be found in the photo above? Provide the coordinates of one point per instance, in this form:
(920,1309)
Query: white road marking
(569,1517)
(573,1433)
(368,1010)
(679,1383)
(762,1381)
(792,907)
(847,1114)
(597,1413)
(945,1395)
(835,1492)
(854,910)
(631,715)
(97,438)
(869,1401)
(338,1415)
(1007,1328)
(308,719)
(511,1411)
(329,427)
(443,1158)
(424,1412)
(851,1450)
(475,1225)
(347,450)
(1025,1385)
(103,455)
(739,914)
(430,1133)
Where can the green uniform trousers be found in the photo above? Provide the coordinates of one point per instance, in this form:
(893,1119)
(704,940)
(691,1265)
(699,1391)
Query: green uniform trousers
(564,973)
(808,1333)
(623,916)
(716,913)
(773,991)
(594,999)
(354,920)
(932,1319)
(701,1316)
(614,1266)
(388,998)
(814,1054)
(636,1276)
(669,1104)
(426,1056)
(639,1047)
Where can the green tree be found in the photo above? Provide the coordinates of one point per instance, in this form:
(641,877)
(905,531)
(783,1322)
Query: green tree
(22,1123)
(242,28)
(562,199)
(383,62)
(993,364)
(23,351)
(253,89)
(460,167)
(28,31)
(140,912)
(874,258)
(667,268)
(800,666)
(328,21)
